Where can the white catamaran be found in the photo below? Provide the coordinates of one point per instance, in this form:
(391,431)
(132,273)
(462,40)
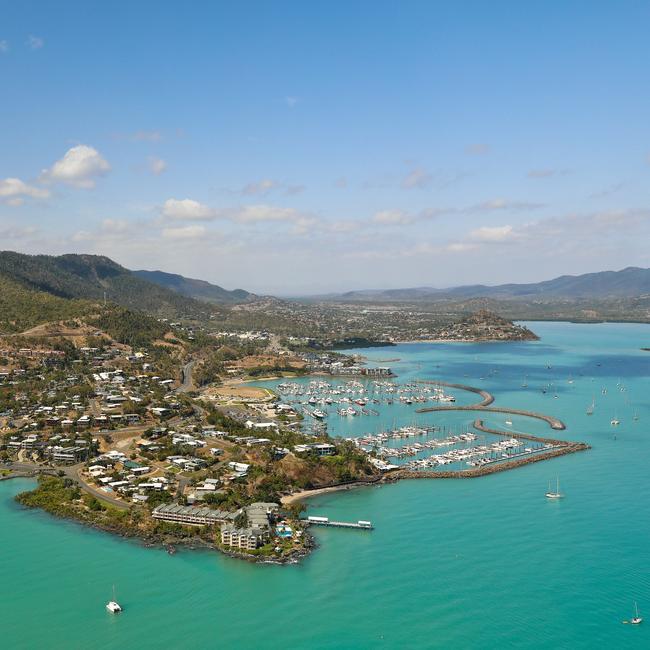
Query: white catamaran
(112,605)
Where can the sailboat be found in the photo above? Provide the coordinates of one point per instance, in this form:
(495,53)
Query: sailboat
(554,495)
(636,619)
(590,409)
(615,421)
(112,605)
(524,384)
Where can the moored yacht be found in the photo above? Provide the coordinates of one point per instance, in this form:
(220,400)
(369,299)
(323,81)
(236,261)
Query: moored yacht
(554,495)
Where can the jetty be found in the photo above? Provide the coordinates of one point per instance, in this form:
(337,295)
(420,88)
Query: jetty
(325,521)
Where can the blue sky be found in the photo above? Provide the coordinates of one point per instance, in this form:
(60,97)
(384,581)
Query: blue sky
(295,147)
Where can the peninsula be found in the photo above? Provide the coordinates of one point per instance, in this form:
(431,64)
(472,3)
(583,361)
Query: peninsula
(143,422)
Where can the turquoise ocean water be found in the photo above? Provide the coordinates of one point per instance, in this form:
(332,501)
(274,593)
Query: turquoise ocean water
(483,563)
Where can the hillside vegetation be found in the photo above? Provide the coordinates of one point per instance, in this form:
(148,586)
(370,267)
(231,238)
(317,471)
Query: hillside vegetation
(94,277)
(22,308)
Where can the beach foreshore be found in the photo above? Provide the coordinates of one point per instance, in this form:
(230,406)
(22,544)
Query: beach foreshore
(305,494)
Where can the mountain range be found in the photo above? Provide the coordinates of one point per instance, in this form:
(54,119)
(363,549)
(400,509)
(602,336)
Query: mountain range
(199,289)
(630,282)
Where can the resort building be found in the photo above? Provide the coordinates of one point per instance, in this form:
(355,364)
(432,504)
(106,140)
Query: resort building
(68,455)
(243,538)
(191,515)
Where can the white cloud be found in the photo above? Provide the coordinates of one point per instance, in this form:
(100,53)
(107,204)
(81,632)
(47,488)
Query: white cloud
(184,232)
(402,218)
(157,165)
(17,232)
(80,167)
(392,217)
(13,191)
(417,178)
(460,247)
(267,185)
(4,46)
(260,213)
(187,210)
(291,101)
(191,210)
(35,42)
(493,233)
(260,187)
(504,204)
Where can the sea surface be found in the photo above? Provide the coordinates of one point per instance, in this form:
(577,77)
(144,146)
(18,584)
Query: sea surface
(480,563)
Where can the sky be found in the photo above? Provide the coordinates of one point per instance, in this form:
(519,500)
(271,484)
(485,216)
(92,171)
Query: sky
(306,147)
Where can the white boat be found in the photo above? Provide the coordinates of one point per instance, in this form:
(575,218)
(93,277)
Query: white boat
(591,407)
(554,495)
(509,423)
(113,606)
(636,619)
(615,421)
(319,414)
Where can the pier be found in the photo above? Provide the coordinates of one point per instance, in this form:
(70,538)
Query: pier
(325,521)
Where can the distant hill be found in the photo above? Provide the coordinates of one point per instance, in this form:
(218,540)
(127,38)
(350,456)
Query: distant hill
(198,289)
(93,277)
(631,282)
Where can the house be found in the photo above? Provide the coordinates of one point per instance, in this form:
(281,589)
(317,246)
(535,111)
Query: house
(320,449)
(249,424)
(238,467)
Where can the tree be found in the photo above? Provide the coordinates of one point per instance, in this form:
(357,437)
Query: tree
(295,509)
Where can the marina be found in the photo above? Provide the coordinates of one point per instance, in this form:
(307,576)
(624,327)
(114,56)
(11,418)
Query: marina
(408,447)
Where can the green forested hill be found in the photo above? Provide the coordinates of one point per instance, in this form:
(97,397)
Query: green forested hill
(22,308)
(94,277)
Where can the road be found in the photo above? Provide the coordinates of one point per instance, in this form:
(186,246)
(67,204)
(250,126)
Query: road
(186,384)
(71,472)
